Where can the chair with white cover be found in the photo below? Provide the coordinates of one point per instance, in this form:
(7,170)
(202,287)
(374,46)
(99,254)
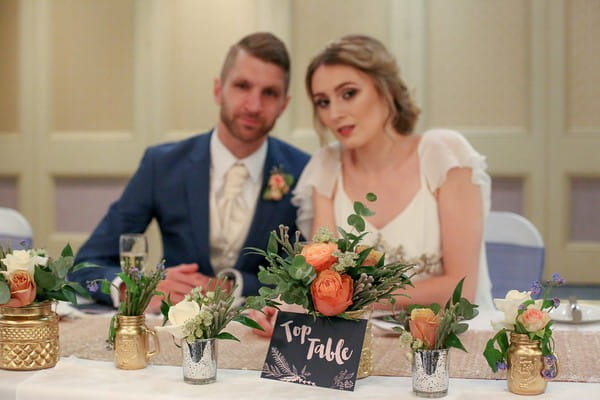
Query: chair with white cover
(15,231)
(515,252)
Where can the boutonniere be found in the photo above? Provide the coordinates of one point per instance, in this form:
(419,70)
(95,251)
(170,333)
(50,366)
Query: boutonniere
(278,185)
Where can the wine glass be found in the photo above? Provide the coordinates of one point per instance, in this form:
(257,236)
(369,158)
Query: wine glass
(133,251)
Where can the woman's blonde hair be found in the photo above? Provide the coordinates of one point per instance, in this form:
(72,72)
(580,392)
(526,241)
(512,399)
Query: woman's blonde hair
(372,58)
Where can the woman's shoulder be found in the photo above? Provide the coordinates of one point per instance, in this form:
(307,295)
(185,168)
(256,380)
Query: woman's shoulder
(444,140)
(443,149)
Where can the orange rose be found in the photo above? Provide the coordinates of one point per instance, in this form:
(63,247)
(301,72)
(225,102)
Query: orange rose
(533,319)
(331,292)
(277,182)
(22,289)
(423,323)
(373,257)
(320,255)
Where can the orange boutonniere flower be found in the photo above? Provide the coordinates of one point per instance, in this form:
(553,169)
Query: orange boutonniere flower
(278,185)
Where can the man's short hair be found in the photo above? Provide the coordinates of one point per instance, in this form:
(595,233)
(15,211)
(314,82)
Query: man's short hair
(263,45)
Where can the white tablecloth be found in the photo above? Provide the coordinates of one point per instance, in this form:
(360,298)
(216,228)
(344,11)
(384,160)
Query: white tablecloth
(76,379)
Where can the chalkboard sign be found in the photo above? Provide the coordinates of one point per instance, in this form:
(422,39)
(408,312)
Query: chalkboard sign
(313,351)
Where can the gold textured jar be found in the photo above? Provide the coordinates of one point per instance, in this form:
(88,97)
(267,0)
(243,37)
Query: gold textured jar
(132,342)
(365,366)
(525,364)
(29,337)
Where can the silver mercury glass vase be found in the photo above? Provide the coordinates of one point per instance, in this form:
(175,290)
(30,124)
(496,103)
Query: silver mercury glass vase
(430,373)
(200,361)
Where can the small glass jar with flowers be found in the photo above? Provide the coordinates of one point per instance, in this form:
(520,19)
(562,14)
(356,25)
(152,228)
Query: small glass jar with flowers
(331,276)
(429,332)
(128,333)
(31,282)
(523,344)
(198,321)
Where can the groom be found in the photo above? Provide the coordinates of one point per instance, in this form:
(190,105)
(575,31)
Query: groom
(216,193)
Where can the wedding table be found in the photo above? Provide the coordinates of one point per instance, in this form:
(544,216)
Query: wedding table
(86,370)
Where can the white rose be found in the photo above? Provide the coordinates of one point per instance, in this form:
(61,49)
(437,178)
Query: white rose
(178,315)
(510,307)
(20,260)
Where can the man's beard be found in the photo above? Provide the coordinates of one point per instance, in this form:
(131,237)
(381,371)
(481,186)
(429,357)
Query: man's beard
(236,130)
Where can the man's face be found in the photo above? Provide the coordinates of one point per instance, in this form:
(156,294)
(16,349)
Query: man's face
(251,98)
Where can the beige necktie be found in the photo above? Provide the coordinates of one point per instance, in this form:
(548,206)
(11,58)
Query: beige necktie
(231,206)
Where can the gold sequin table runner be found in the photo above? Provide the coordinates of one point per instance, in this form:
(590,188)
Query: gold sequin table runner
(578,352)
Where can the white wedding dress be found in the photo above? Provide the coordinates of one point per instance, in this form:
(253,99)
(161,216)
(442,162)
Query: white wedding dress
(413,236)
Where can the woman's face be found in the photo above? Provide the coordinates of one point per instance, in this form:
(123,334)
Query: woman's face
(348,104)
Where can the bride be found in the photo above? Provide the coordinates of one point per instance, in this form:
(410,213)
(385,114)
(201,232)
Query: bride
(433,191)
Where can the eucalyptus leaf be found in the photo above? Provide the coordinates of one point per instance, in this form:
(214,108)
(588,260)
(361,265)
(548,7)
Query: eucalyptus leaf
(67,251)
(249,322)
(272,246)
(357,222)
(371,196)
(460,328)
(78,289)
(61,266)
(226,336)
(45,280)
(83,265)
(453,341)
(4,292)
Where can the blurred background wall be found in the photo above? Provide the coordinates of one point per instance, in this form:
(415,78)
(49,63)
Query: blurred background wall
(87,85)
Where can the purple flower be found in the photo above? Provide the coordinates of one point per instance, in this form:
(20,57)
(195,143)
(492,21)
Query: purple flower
(521,307)
(550,359)
(556,277)
(92,286)
(535,290)
(556,302)
(562,281)
(501,365)
(549,373)
(135,273)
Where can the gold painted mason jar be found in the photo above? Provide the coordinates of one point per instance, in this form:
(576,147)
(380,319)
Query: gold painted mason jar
(365,366)
(29,337)
(525,364)
(132,342)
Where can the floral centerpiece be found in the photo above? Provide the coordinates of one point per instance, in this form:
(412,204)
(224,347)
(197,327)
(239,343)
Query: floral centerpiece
(330,276)
(526,323)
(199,319)
(30,281)
(430,332)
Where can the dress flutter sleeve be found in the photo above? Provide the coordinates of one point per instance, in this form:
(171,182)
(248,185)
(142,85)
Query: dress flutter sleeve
(444,149)
(321,173)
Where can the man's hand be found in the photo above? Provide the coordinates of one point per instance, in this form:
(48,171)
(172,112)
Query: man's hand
(266,319)
(178,282)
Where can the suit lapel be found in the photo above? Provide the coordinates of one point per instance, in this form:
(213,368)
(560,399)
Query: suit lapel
(197,180)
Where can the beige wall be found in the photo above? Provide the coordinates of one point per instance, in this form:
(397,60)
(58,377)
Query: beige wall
(86,85)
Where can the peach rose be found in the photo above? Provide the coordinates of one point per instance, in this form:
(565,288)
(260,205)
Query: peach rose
(373,257)
(331,292)
(423,324)
(320,255)
(277,182)
(22,289)
(533,319)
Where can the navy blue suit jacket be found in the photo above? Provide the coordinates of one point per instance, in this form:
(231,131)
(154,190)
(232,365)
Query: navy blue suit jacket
(172,185)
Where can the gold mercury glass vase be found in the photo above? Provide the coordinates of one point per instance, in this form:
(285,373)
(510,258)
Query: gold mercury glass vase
(365,366)
(29,337)
(525,364)
(132,342)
